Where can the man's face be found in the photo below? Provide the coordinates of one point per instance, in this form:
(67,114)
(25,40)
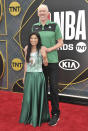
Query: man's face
(43,13)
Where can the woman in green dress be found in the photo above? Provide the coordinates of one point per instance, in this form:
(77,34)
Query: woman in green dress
(35,104)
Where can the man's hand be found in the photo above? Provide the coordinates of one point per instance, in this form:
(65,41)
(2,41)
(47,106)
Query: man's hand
(45,61)
(44,55)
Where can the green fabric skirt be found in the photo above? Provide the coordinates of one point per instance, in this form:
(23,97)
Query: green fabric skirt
(35,104)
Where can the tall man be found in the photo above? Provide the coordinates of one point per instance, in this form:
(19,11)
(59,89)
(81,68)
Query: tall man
(51,40)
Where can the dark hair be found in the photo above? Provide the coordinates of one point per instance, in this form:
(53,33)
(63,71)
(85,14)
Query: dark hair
(30,46)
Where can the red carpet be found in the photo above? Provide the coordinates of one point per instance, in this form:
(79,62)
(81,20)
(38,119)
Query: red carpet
(73,117)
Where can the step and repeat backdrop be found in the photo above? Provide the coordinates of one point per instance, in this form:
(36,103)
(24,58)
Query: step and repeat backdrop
(16,20)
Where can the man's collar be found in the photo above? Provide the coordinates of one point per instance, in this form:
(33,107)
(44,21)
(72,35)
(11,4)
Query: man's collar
(47,22)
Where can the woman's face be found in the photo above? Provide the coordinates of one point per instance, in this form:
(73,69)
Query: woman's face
(34,40)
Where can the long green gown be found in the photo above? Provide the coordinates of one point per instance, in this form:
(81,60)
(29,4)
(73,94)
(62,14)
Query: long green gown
(35,104)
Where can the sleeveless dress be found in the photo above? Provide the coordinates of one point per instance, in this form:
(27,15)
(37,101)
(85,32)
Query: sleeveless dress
(35,104)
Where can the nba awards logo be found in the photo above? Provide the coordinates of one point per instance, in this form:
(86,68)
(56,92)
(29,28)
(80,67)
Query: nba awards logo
(14,8)
(66,47)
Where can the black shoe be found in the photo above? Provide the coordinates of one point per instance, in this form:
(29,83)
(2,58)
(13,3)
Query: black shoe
(53,121)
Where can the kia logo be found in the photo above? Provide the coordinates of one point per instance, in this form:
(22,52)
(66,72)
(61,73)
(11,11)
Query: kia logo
(69,64)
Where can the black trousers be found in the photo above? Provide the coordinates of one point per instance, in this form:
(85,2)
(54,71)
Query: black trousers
(51,77)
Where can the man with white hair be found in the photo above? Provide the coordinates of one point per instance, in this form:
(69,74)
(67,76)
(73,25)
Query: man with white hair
(51,40)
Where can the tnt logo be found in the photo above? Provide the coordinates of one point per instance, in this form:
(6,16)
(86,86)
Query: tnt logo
(16,64)
(14,8)
(81,47)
